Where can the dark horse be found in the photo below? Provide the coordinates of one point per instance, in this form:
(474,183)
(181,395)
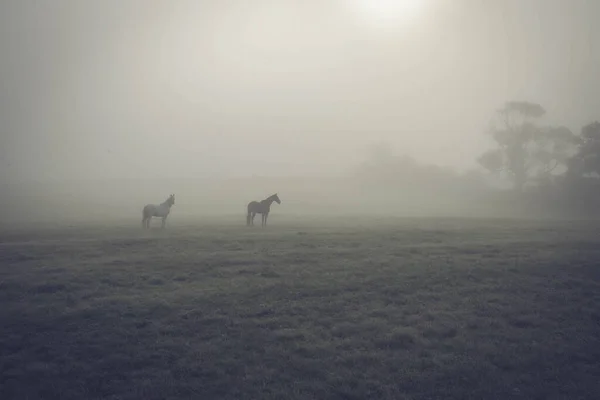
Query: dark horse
(263,208)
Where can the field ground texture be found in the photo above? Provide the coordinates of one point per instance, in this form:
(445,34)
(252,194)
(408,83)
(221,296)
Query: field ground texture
(304,309)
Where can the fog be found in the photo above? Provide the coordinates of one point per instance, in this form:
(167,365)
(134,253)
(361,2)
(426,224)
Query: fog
(106,106)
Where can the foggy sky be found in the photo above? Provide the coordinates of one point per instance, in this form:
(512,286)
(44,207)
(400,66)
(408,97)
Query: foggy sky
(143,88)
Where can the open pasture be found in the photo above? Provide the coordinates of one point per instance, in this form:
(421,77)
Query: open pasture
(351,308)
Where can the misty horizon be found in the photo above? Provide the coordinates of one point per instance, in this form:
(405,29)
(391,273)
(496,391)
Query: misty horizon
(214,90)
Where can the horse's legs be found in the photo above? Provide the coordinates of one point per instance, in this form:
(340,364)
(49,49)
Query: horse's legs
(164,220)
(252,220)
(265,215)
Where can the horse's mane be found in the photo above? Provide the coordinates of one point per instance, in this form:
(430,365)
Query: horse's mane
(168,200)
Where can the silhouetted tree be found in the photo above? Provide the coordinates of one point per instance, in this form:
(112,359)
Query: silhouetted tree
(586,162)
(383,164)
(525,150)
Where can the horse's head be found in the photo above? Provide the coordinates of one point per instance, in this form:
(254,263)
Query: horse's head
(171,200)
(275,198)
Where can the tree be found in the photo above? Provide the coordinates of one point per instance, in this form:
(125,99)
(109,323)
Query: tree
(524,150)
(383,163)
(586,162)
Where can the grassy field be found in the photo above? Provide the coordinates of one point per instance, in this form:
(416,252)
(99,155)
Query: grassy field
(304,309)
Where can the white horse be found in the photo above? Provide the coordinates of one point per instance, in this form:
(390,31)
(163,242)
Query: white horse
(161,211)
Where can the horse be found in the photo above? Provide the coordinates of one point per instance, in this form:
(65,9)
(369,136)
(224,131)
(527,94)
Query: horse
(162,211)
(263,208)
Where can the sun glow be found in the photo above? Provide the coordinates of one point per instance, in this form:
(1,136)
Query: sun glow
(389,12)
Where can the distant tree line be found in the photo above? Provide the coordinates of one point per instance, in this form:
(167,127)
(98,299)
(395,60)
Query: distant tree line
(533,154)
(550,169)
